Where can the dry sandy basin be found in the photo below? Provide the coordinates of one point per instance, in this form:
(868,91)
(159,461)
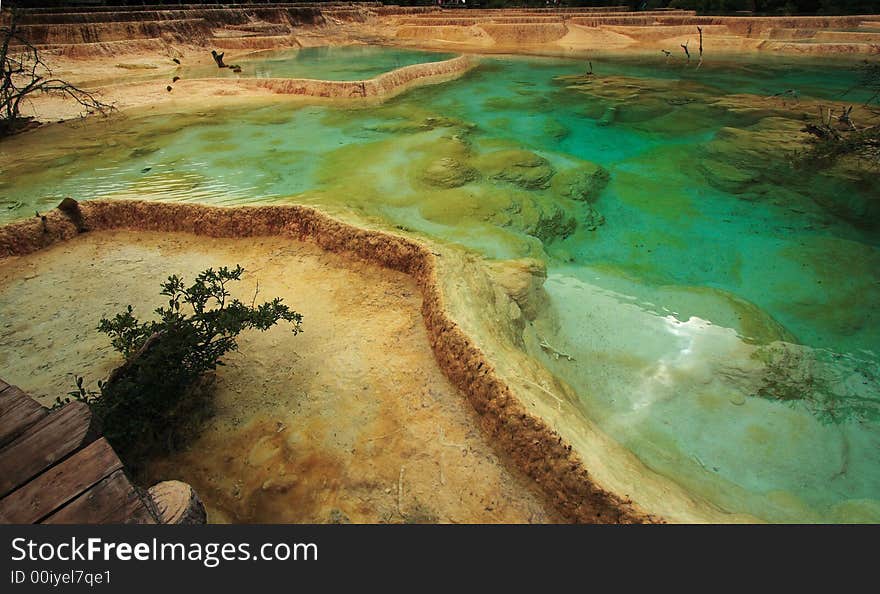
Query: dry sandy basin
(350,420)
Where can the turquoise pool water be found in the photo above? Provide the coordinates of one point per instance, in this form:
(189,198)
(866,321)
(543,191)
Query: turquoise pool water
(718,300)
(341,63)
(349,62)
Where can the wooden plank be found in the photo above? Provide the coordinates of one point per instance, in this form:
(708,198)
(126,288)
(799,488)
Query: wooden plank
(51,439)
(12,397)
(18,411)
(3,385)
(60,484)
(112,501)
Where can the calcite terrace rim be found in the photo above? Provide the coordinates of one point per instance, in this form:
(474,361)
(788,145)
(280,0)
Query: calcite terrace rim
(386,84)
(134,96)
(529,442)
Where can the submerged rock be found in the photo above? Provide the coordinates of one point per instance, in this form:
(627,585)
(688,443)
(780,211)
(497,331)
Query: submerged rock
(742,161)
(593,219)
(608,117)
(553,223)
(727,177)
(537,215)
(834,388)
(584,183)
(415,124)
(846,191)
(143,152)
(737,158)
(554,129)
(522,168)
(448,172)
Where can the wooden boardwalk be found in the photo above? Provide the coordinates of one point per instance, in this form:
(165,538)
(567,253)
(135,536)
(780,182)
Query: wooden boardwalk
(55,468)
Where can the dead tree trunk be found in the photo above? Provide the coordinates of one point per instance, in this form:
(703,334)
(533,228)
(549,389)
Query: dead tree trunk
(23,74)
(700,29)
(218,58)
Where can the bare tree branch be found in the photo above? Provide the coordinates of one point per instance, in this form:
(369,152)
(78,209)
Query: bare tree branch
(700,29)
(23,73)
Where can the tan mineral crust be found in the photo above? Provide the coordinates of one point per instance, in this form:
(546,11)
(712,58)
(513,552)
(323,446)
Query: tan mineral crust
(363,416)
(524,412)
(114,46)
(350,419)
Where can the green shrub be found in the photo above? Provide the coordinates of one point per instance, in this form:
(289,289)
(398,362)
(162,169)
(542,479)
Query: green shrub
(155,401)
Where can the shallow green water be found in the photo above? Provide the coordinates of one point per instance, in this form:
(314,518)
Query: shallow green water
(349,62)
(719,304)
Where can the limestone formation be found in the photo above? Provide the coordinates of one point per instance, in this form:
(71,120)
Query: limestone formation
(556,130)
(530,442)
(593,219)
(448,172)
(584,183)
(523,280)
(553,223)
(519,167)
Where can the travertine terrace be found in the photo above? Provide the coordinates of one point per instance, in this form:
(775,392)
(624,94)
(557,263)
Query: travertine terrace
(480,310)
(114,49)
(96,32)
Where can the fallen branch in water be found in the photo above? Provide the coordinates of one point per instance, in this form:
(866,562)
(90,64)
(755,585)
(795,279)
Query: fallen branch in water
(700,29)
(548,348)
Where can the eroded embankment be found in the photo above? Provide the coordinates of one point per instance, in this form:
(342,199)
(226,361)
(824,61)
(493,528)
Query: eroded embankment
(178,25)
(535,448)
(637,32)
(94,32)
